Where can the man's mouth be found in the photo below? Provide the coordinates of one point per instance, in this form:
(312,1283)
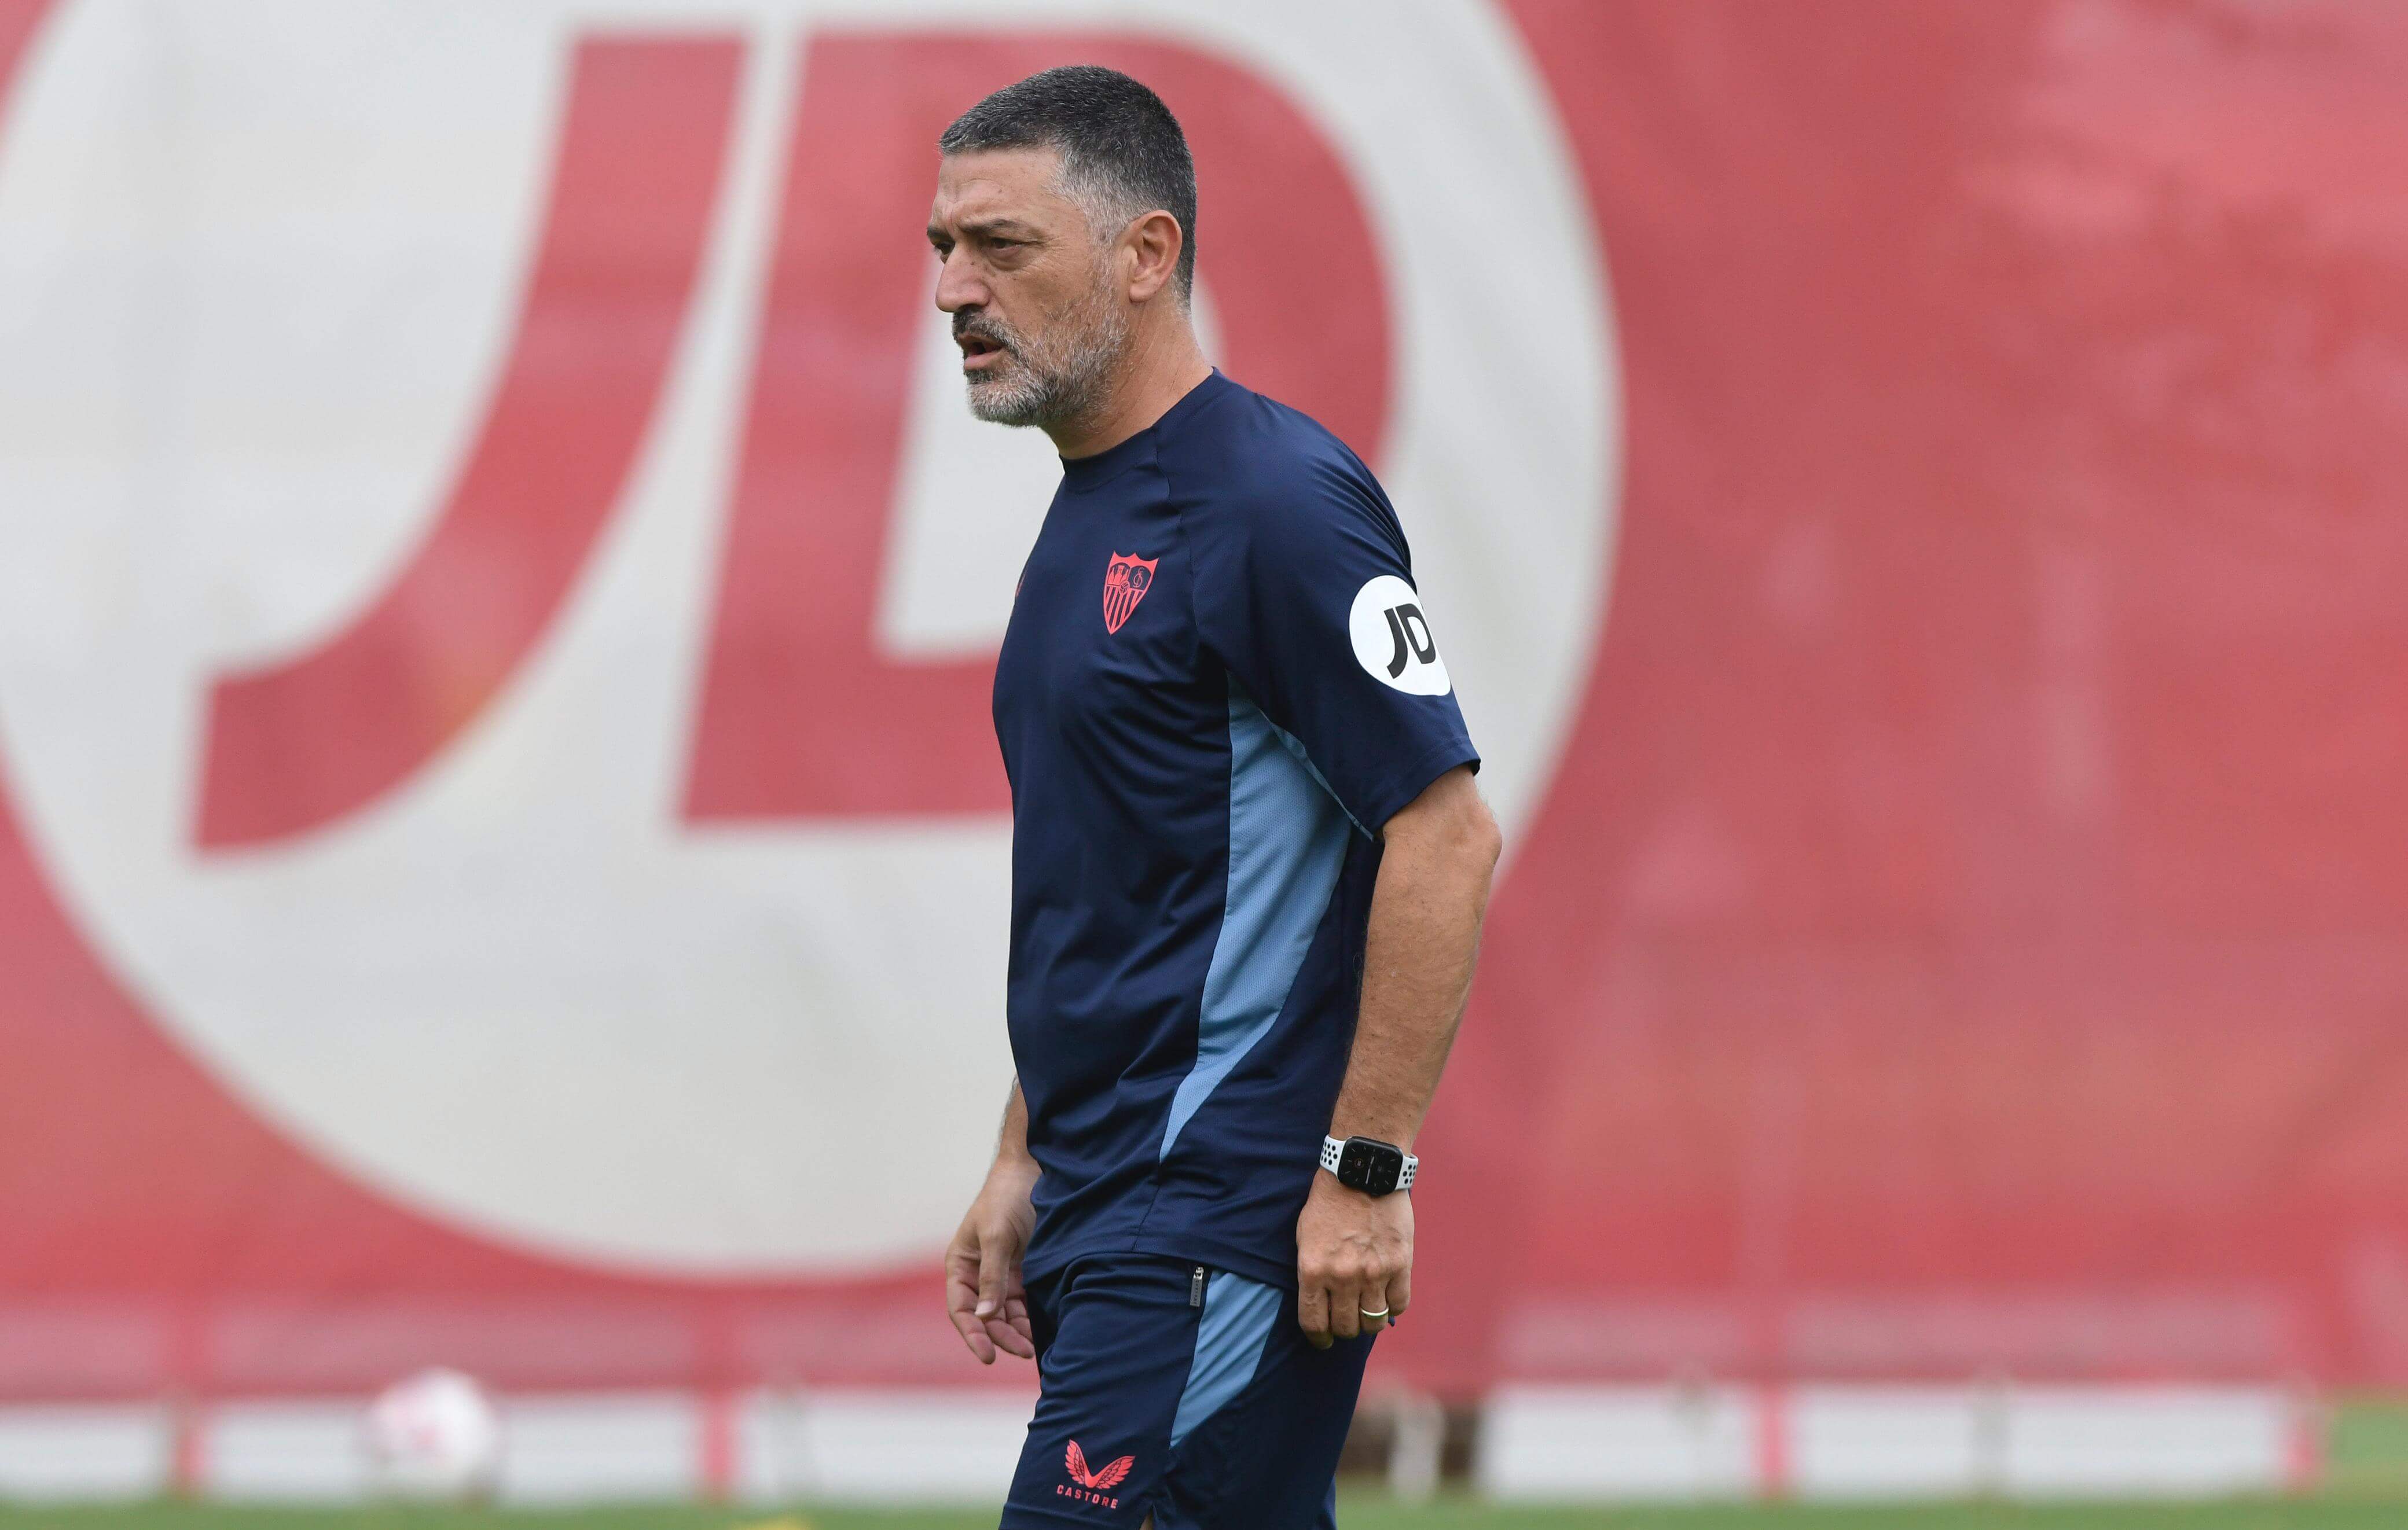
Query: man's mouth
(978,353)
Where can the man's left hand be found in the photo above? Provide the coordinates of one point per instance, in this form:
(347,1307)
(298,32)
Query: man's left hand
(1353,1261)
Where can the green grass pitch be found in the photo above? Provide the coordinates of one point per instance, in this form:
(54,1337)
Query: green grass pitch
(2367,1477)
(1358,1513)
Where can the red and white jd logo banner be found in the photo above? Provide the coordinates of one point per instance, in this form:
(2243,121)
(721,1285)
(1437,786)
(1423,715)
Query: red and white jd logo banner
(498,585)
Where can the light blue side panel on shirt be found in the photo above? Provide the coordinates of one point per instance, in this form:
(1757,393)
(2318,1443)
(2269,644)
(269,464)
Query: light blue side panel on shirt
(1238,1317)
(1287,844)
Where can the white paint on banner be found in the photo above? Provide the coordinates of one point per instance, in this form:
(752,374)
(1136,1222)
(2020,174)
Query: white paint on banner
(571,1449)
(879,1445)
(1837,1441)
(62,1451)
(1895,1442)
(2171,1441)
(300,1451)
(1637,1442)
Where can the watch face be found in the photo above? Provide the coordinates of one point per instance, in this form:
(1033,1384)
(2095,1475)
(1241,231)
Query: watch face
(1371,1167)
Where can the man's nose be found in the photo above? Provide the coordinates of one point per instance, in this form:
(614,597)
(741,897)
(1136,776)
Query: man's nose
(958,286)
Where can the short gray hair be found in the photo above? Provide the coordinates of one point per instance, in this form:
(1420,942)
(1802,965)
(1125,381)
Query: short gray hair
(1123,152)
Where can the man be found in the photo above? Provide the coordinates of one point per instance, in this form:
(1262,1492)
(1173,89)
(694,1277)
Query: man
(1249,863)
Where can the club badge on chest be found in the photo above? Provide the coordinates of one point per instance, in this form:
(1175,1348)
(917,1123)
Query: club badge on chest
(1127,578)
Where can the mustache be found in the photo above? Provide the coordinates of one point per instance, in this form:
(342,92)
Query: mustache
(968,327)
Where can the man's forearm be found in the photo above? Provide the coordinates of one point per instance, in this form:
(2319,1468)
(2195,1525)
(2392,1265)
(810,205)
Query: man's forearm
(1424,937)
(1011,1142)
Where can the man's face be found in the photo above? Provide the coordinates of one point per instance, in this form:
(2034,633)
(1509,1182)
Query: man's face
(1030,288)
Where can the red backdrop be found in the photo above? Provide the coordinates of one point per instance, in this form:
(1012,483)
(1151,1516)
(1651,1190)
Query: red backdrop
(1966,930)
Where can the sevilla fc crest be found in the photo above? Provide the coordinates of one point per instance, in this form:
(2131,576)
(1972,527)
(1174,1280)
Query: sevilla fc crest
(1127,580)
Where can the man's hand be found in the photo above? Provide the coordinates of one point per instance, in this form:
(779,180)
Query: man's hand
(1353,1251)
(982,1289)
(1352,1254)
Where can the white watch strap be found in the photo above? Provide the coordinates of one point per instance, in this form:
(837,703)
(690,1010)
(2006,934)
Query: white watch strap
(1332,1151)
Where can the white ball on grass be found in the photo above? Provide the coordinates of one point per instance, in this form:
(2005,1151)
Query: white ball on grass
(434,1435)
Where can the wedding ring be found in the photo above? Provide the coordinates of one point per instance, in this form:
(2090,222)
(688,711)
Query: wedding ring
(1369,1313)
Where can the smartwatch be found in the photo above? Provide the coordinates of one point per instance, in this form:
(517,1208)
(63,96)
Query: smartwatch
(1369,1165)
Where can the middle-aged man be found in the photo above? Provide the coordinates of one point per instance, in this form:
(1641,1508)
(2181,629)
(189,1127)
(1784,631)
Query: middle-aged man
(1248,863)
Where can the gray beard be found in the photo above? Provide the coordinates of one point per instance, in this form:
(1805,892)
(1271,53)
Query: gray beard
(1046,390)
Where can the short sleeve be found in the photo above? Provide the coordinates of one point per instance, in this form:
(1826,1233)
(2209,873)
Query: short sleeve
(1305,594)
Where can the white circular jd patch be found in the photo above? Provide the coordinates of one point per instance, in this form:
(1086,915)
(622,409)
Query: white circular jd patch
(1393,641)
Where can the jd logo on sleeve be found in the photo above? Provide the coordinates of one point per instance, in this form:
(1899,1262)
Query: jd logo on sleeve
(1393,641)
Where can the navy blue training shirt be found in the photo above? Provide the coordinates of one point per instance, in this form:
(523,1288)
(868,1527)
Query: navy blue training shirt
(1217,685)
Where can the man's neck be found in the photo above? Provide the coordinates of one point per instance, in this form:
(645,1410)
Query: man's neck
(1162,365)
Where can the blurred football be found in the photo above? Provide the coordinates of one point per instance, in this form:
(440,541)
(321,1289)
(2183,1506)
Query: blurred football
(434,1435)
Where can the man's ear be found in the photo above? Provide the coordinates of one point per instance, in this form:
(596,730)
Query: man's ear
(1155,241)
